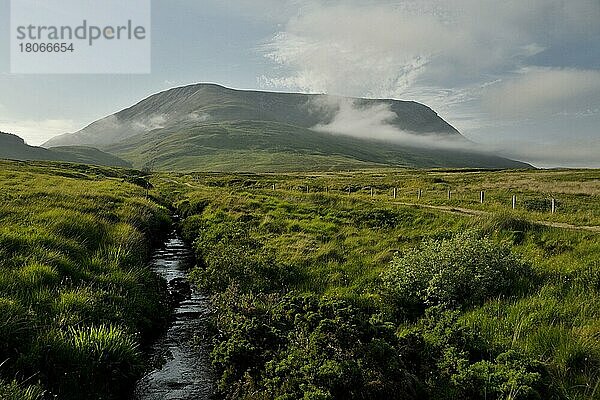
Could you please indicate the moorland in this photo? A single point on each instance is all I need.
(372, 284)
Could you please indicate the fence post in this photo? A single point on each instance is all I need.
(553, 206)
(371, 192)
(449, 195)
(395, 191)
(482, 197)
(514, 202)
(273, 186)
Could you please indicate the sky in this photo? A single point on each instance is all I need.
(520, 77)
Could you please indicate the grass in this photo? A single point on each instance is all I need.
(337, 245)
(298, 276)
(77, 301)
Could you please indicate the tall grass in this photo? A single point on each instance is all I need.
(16, 391)
(336, 245)
(76, 300)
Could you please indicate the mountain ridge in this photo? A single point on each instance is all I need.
(13, 147)
(201, 123)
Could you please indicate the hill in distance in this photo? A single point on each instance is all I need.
(207, 127)
(12, 147)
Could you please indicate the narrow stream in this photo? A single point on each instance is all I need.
(186, 373)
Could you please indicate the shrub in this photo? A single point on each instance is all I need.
(294, 347)
(232, 256)
(456, 363)
(456, 272)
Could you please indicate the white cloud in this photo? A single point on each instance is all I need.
(354, 50)
(198, 117)
(37, 132)
(376, 122)
(156, 121)
(544, 91)
(473, 61)
(572, 153)
(384, 49)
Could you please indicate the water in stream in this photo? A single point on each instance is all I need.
(186, 373)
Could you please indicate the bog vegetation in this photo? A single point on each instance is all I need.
(76, 302)
(324, 286)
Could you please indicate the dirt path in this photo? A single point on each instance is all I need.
(475, 213)
(470, 212)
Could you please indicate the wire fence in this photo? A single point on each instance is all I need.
(463, 196)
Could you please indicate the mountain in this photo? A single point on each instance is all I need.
(212, 128)
(90, 155)
(14, 148)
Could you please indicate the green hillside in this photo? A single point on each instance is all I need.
(13, 147)
(212, 128)
(90, 155)
(261, 146)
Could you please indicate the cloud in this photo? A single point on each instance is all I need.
(155, 121)
(398, 49)
(543, 91)
(572, 153)
(37, 132)
(198, 117)
(496, 70)
(376, 122)
(352, 50)
(384, 49)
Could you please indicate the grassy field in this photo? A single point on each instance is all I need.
(319, 283)
(327, 287)
(76, 303)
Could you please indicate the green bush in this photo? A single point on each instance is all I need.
(509, 376)
(456, 363)
(456, 272)
(303, 347)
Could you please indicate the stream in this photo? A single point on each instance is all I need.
(185, 372)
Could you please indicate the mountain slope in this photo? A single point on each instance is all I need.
(261, 147)
(14, 148)
(90, 155)
(209, 127)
